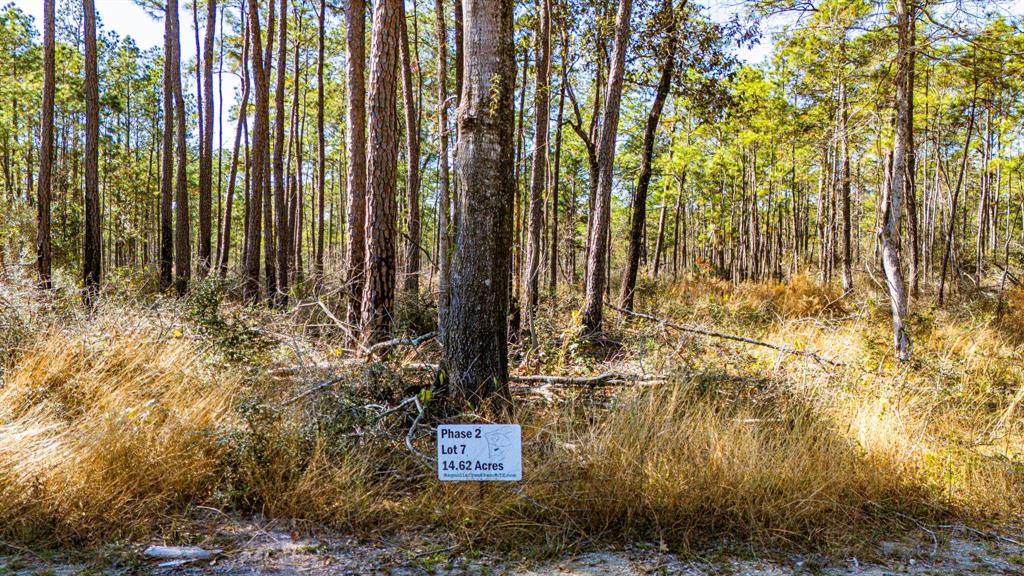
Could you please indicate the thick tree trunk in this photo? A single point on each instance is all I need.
(43, 246)
(266, 158)
(91, 254)
(411, 279)
(597, 266)
(381, 172)
(539, 173)
(476, 329)
(639, 220)
(355, 45)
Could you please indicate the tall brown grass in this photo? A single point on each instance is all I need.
(106, 436)
(112, 432)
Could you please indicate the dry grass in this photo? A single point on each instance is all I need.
(106, 436)
(115, 433)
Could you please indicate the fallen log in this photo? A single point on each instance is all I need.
(710, 333)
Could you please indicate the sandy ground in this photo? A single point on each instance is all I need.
(253, 547)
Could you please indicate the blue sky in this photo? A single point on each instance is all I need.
(127, 19)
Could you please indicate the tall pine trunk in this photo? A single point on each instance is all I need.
(476, 328)
(43, 246)
(321, 154)
(257, 182)
(444, 200)
(639, 220)
(381, 172)
(355, 45)
(182, 227)
(243, 107)
(900, 165)
(206, 154)
(166, 255)
(411, 280)
(539, 173)
(280, 297)
(91, 254)
(598, 234)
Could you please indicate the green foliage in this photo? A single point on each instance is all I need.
(232, 334)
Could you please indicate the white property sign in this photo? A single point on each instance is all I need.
(479, 452)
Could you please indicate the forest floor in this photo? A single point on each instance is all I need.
(763, 428)
(261, 546)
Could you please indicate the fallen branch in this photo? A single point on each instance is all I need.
(337, 321)
(693, 330)
(287, 371)
(315, 388)
(603, 379)
(411, 342)
(1010, 275)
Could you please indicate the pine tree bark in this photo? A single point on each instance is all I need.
(265, 158)
(355, 45)
(206, 155)
(257, 182)
(476, 330)
(381, 172)
(166, 256)
(910, 181)
(900, 165)
(444, 201)
(597, 265)
(318, 258)
(639, 219)
(243, 108)
(280, 296)
(411, 279)
(91, 254)
(556, 177)
(844, 184)
(539, 173)
(182, 227)
(43, 245)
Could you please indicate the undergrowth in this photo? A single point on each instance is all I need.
(108, 431)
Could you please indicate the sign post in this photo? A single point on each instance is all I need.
(479, 452)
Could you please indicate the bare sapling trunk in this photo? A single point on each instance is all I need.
(539, 174)
(411, 259)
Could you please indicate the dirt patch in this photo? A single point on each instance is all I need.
(264, 547)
